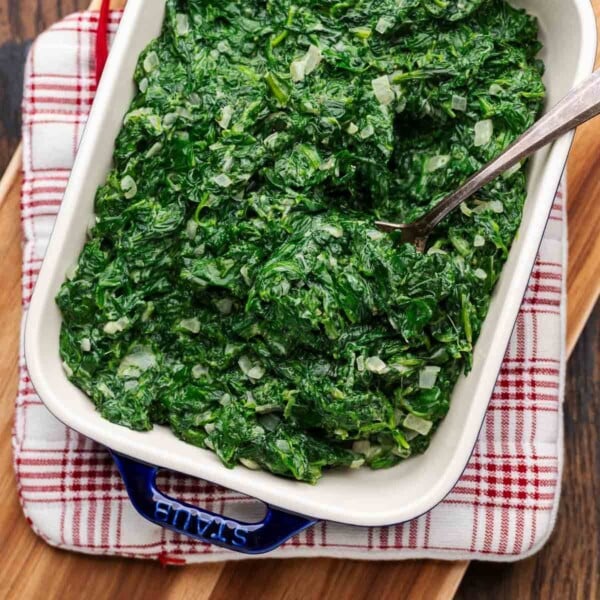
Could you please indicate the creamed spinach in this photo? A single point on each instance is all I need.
(234, 287)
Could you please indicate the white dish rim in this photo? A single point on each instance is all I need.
(253, 484)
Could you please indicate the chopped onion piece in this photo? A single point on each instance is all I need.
(227, 163)
(382, 90)
(459, 103)
(483, 132)
(336, 232)
(71, 272)
(192, 325)
(328, 164)
(225, 118)
(198, 371)
(376, 365)
(151, 61)
(352, 129)
(113, 327)
(154, 150)
(312, 59)
(480, 274)
(383, 24)
(427, 377)
(414, 423)
(85, 345)
(250, 464)
(252, 371)
(496, 206)
(373, 451)
(129, 187)
(367, 132)
(191, 229)
(437, 162)
(257, 431)
(93, 221)
(246, 275)
(156, 123)
(182, 24)
(140, 359)
(375, 234)
(401, 100)
(222, 180)
(270, 421)
(184, 113)
(307, 64)
(433, 250)
(105, 390)
(224, 305)
(169, 119)
(480, 207)
(282, 445)
(465, 210)
(478, 241)
(256, 372)
(410, 435)
(297, 70)
(67, 369)
(360, 363)
(495, 89)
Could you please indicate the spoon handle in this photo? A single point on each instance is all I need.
(577, 107)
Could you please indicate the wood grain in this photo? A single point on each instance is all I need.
(31, 569)
(314, 579)
(584, 229)
(20, 22)
(11, 175)
(584, 220)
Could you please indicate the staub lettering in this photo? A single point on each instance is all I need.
(200, 524)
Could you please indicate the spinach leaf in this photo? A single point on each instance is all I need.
(233, 286)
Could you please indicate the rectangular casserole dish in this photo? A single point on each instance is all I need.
(360, 497)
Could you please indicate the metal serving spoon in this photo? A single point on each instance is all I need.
(577, 107)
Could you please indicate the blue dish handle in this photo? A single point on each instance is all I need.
(251, 538)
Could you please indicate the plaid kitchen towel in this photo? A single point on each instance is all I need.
(502, 508)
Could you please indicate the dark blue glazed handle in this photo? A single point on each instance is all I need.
(251, 538)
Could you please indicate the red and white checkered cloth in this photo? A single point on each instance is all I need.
(503, 507)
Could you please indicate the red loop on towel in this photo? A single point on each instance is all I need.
(102, 39)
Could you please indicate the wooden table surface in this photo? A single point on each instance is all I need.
(566, 568)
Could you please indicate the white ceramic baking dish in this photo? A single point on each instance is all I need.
(360, 497)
